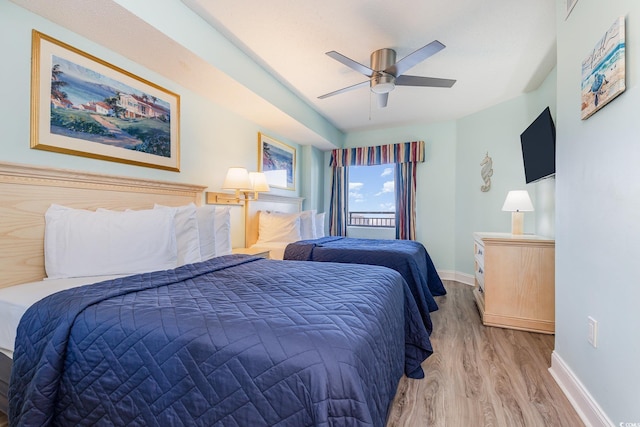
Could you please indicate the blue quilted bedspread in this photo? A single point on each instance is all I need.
(233, 341)
(408, 257)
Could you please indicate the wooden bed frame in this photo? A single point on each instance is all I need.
(251, 208)
(26, 192)
(267, 203)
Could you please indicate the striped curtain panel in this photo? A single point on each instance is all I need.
(405, 155)
(405, 190)
(338, 207)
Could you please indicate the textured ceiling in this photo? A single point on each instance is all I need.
(496, 50)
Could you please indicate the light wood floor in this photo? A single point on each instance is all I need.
(481, 376)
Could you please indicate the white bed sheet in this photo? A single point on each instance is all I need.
(15, 300)
(276, 249)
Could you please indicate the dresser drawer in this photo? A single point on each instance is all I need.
(480, 275)
(514, 278)
(478, 250)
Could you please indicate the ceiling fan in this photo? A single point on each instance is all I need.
(385, 73)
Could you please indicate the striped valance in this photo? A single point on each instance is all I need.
(404, 152)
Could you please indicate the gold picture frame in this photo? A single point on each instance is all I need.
(278, 162)
(84, 106)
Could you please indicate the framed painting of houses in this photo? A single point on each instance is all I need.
(277, 161)
(84, 106)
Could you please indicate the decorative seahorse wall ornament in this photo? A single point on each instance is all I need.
(486, 172)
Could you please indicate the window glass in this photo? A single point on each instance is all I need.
(372, 200)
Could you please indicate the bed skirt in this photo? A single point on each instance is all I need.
(5, 374)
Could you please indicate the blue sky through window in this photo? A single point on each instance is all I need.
(371, 188)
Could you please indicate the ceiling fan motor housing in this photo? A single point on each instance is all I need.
(385, 73)
(381, 59)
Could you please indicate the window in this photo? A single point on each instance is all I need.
(372, 200)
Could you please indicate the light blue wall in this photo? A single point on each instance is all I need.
(436, 185)
(450, 205)
(598, 180)
(312, 170)
(496, 130)
(597, 226)
(212, 138)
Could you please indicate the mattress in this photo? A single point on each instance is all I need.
(15, 300)
(5, 374)
(235, 340)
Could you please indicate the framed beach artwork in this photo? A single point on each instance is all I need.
(603, 70)
(277, 161)
(84, 106)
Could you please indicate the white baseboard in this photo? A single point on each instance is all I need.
(467, 279)
(584, 404)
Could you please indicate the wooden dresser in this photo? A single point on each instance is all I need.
(515, 281)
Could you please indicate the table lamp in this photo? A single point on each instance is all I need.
(517, 202)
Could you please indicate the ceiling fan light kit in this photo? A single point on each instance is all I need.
(382, 82)
(385, 73)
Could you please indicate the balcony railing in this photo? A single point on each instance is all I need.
(372, 219)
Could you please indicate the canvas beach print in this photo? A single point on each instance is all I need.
(277, 161)
(603, 71)
(84, 106)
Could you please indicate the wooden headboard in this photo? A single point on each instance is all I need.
(26, 192)
(267, 202)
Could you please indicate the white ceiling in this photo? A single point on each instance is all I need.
(112, 26)
(496, 50)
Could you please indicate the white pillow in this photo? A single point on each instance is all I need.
(187, 238)
(206, 216)
(308, 224)
(223, 230)
(278, 227)
(84, 243)
(319, 225)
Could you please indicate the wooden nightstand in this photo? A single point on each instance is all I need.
(515, 281)
(263, 253)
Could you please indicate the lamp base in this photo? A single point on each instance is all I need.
(517, 219)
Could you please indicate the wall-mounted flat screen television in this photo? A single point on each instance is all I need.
(539, 148)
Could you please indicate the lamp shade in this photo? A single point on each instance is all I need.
(237, 179)
(518, 201)
(259, 182)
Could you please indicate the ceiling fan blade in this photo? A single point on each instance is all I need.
(423, 81)
(382, 99)
(344, 89)
(414, 58)
(351, 63)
